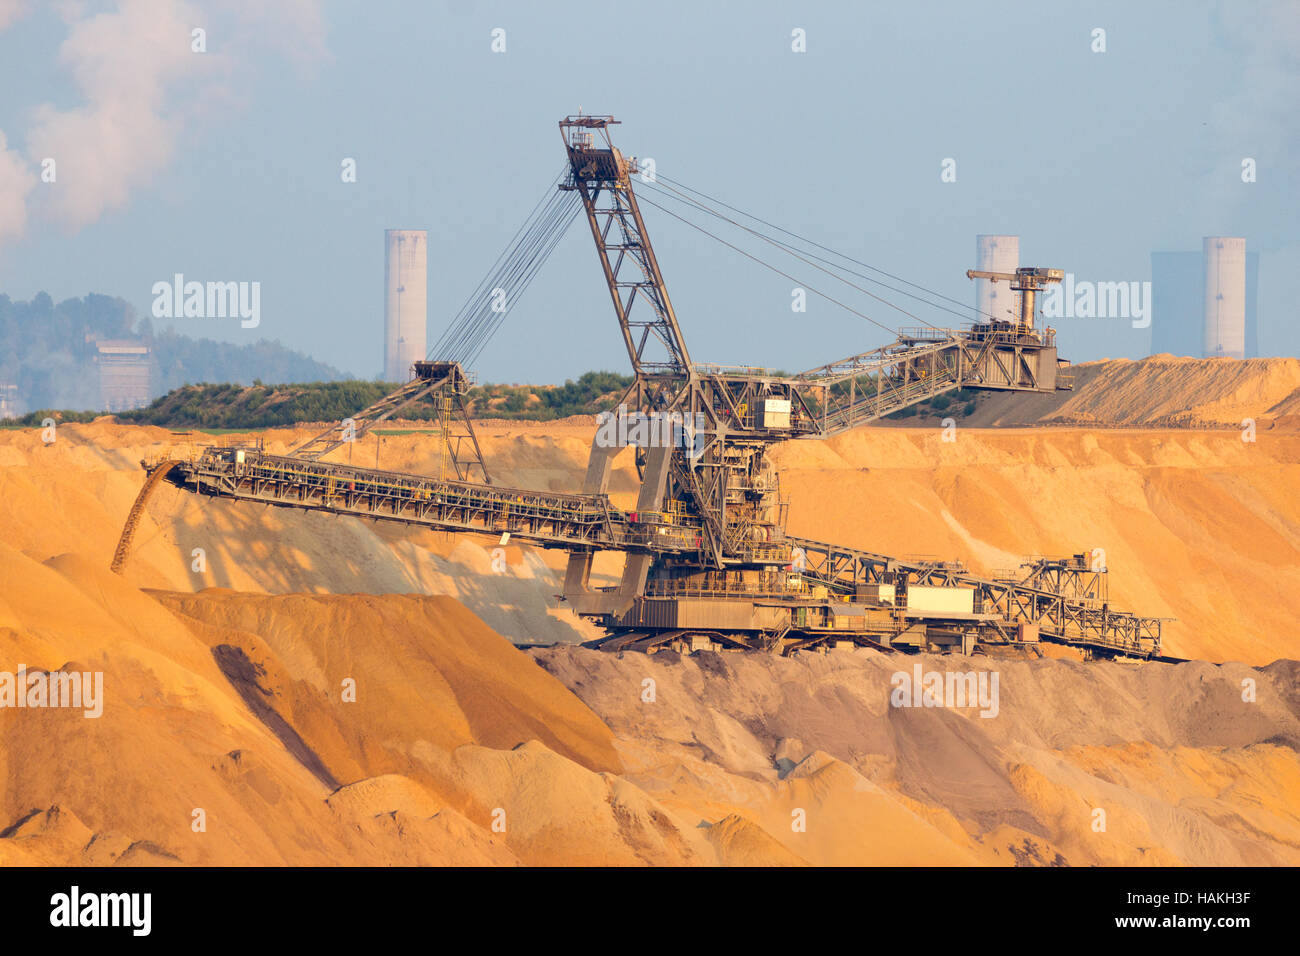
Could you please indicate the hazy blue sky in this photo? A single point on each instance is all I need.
(226, 165)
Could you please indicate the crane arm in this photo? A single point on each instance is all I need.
(599, 171)
(1028, 281)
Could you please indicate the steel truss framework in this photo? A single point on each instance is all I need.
(244, 473)
(1064, 598)
(446, 384)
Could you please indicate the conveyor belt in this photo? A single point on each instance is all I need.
(544, 518)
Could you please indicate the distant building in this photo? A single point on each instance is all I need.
(995, 300)
(1252, 301)
(1177, 303)
(1225, 296)
(10, 404)
(406, 289)
(1181, 318)
(125, 374)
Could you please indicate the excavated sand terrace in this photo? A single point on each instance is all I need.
(224, 686)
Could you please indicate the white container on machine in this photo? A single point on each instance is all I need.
(775, 413)
(877, 593)
(922, 597)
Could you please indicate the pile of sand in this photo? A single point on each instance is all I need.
(234, 709)
(1166, 391)
(229, 710)
(1185, 770)
(1160, 391)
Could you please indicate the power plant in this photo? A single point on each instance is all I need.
(125, 374)
(406, 291)
(11, 405)
(1187, 315)
(708, 562)
(995, 254)
(1225, 296)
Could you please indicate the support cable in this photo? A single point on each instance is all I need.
(791, 250)
(768, 265)
(866, 265)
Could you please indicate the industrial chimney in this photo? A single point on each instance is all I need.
(1225, 296)
(995, 300)
(406, 283)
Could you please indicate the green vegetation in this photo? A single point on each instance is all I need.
(592, 392)
(956, 404)
(209, 407)
(216, 408)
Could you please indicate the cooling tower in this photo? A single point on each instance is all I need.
(406, 283)
(995, 300)
(1225, 296)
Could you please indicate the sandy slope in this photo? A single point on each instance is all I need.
(1165, 390)
(1185, 770)
(457, 749)
(232, 704)
(460, 749)
(1195, 525)
(73, 495)
(1158, 391)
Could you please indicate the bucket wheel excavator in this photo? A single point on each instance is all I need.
(708, 561)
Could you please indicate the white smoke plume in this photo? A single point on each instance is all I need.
(10, 11)
(124, 132)
(16, 181)
(141, 85)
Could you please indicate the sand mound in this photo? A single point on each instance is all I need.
(179, 766)
(1167, 391)
(150, 766)
(1159, 391)
(551, 809)
(420, 668)
(1183, 769)
(740, 841)
(392, 809)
